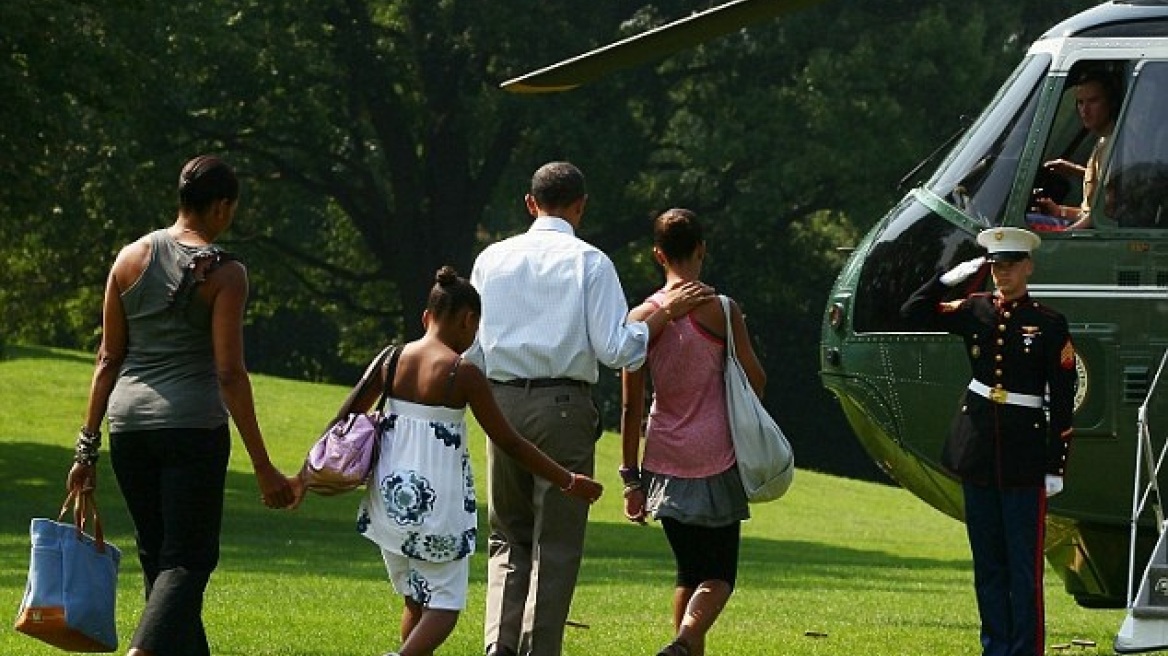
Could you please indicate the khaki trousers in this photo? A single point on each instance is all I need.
(536, 531)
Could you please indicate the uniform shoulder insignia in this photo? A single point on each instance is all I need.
(950, 306)
(1067, 357)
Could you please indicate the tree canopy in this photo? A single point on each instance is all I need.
(375, 146)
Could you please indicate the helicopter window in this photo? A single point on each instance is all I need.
(977, 176)
(911, 246)
(1136, 181)
(1079, 146)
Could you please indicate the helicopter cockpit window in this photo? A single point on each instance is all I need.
(977, 176)
(1068, 187)
(1135, 189)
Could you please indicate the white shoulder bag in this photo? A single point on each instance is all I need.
(765, 461)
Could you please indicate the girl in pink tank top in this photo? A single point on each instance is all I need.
(688, 479)
(688, 434)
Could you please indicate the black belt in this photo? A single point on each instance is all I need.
(530, 383)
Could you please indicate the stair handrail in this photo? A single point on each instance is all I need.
(1142, 492)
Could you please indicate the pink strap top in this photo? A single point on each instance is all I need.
(688, 434)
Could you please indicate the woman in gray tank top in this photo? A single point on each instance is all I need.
(170, 370)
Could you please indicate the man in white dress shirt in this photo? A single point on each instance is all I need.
(553, 308)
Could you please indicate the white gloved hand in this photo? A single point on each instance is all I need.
(962, 271)
(1054, 485)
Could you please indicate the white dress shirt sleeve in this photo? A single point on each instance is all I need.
(616, 342)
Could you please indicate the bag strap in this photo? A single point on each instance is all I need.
(84, 504)
(390, 367)
(731, 354)
(347, 405)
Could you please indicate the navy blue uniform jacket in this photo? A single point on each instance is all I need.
(1021, 346)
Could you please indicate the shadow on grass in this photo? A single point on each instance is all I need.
(320, 539)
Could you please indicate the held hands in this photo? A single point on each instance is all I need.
(583, 487)
(299, 490)
(961, 272)
(1054, 485)
(275, 488)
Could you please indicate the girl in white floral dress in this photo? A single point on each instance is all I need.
(420, 505)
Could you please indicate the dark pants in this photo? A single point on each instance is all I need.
(1005, 528)
(173, 483)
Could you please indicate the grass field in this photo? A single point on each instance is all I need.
(870, 566)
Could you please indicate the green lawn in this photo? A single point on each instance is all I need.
(876, 570)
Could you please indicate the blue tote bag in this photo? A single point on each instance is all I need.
(69, 601)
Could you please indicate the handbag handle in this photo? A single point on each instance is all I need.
(347, 405)
(84, 502)
(387, 384)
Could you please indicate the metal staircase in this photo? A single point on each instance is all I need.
(1145, 628)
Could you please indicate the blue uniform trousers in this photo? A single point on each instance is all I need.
(1005, 528)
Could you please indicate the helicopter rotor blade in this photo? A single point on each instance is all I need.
(658, 42)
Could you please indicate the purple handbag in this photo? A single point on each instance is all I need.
(343, 456)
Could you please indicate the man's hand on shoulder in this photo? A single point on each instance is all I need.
(682, 297)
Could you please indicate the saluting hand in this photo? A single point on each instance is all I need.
(961, 272)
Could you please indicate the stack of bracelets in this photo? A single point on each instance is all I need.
(88, 445)
(631, 477)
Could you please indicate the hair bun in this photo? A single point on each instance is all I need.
(446, 276)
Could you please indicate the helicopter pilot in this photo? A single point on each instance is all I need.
(1097, 100)
(1009, 440)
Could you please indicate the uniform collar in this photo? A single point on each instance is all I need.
(1010, 305)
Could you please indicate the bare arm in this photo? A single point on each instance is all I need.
(227, 308)
(633, 401)
(110, 354)
(632, 416)
(474, 386)
(1066, 167)
(745, 350)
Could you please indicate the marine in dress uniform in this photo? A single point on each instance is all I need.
(1008, 442)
